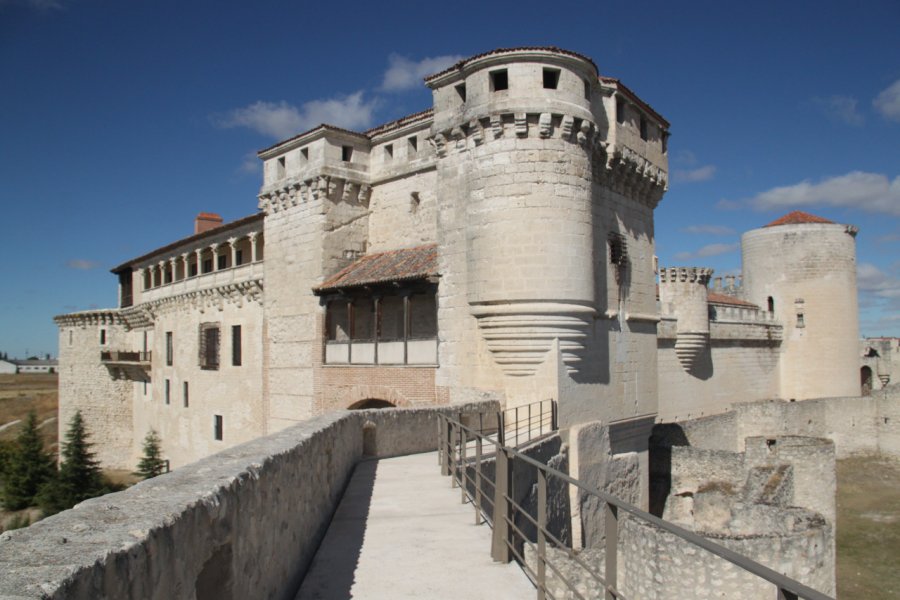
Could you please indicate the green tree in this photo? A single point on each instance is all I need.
(152, 463)
(28, 467)
(79, 476)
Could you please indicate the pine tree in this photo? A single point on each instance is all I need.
(79, 475)
(27, 468)
(152, 463)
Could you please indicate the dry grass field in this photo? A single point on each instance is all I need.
(22, 393)
(868, 530)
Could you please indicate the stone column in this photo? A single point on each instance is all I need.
(232, 242)
(185, 265)
(214, 248)
(172, 264)
(252, 236)
(199, 253)
(140, 277)
(162, 272)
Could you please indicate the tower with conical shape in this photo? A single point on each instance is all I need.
(803, 268)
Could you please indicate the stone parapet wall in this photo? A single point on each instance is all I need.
(244, 523)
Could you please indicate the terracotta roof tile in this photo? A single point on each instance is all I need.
(717, 298)
(798, 217)
(462, 63)
(396, 265)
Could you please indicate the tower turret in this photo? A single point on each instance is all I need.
(684, 292)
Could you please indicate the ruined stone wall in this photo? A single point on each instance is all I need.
(241, 524)
(100, 393)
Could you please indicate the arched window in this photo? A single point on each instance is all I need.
(865, 377)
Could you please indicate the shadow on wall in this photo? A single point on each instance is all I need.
(663, 438)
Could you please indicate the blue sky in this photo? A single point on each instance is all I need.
(121, 120)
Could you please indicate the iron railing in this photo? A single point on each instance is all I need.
(521, 424)
(469, 466)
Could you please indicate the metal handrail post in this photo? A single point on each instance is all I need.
(501, 428)
(454, 440)
(478, 480)
(554, 415)
(463, 469)
(501, 537)
(541, 536)
(445, 442)
(612, 547)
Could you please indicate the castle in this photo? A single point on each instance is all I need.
(497, 246)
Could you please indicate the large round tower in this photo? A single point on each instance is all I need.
(803, 268)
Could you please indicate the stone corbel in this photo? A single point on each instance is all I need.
(545, 125)
(568, 123)
(365, 192)
(497, 126)
(477, 131)
(521, 120)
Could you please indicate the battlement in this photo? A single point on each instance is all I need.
(699, 275)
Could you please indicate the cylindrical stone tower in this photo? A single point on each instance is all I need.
(523, 121)
(685, 291)
(803, 268)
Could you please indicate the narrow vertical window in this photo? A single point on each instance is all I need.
(222, 262)
(461, 91)
(620, 111)
(169, 349)
(168, 391)
(238, 257)
(304, 155)
(145, 388)
(236, 345)
(218, 427)
(644, 129)
(280, 168)
(185, 394)
(388, 152)
(587, 89)
(771, 303)
(209, 346)
(102, 337)
(346, 153)
(413, 144)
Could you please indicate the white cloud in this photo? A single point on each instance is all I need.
(872, 280)
(840, 108)
(888, 102)
(82, 264)
(708, 230)
(250, 164)
(871, 192)
(707, 251)
(282, 120)
(405, 74)
(684, 158)
(694, 175)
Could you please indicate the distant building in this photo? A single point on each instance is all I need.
(7, 367)
(37, 365)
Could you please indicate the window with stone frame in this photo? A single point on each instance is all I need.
(209, 346)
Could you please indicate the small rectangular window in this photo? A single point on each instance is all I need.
(185, 394)
(223, 262)
(169, 348)
(209, 346)
(644, 129)
(499, 80)
(304, 155)
(236, 345)
(280, 170)
(587, 89)
(192, 270)
(168, 391)
(551, 79)
(413, 143)
(238, 257)
(145, 388)
(346, 153)
(461, 91)
(207, 265)
(620, 111)
(218, 427)
(665, 142)
(388, 152)
(102, 337)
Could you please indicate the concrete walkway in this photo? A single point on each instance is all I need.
(401, 532)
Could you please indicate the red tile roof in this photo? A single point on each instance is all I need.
(462, 63)
(717, 298)
(191, 239)
(396, 265)
(798, 217)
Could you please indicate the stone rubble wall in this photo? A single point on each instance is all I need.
(244, 523)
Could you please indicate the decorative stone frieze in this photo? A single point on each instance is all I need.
(90, 318)
(295, 193)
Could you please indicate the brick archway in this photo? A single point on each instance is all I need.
(359, 394)
(371, 403)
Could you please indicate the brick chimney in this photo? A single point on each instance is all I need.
(206, 221)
